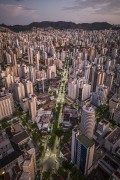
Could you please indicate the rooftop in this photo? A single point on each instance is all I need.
(20, 137)
(4, 140)
(9, 158)
(88, 108)
(85, 140)
(114, 136)
(17, 128)
(104, 122)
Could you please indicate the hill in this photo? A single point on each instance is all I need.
(61, 25)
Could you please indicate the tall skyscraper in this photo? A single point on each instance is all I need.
(63, 56)
(87, 72)
(19, 91)
(98, 77)
(32, 74)
(51, 72)
(9, 81)
(30, 55)
(29, 165)
(75, 132)
(8, 57)
(82, 152)
(33, 106)
(28, 87)
(72, 89)
(109, 79)
(85, 153)
(24, 70)
(100, 96)
(103, 92)
(88, 121)
(37, 60)
(84, 92)
(6, 105)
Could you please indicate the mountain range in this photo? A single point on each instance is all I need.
(61, 25)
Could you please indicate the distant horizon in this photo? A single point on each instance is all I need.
(59, 21)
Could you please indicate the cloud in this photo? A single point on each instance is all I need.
(16, 13)
(98, 6)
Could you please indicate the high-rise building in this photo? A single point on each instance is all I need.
(24, 70)
(24, 104)
(109, 79)
(114, 104)
(28, 87)
(29, 165)
(100, 96)
(58, 63)
(85, 154)
(30, 55)
(103, 92)
(116, 117)
(82, 152)
(19, 91)
(88, 121)
(98, 77)
(63, 55)
(33, 106)
(112, 141)
(72, 89)
(84, 92)
(19, 71)
(75, 133)
(14, 59)
(8, 57)
(6, 105)
(32, 74)
(37, 60)
(42, 85)
(51, 72)
(9, 81)
(87, 72)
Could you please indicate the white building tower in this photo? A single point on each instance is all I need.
(88, 121)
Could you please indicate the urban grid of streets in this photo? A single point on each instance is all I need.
(60, 89)
(50, 159)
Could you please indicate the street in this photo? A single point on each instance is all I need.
(50, 159)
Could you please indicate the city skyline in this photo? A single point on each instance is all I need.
(78, 11)
(60, 102)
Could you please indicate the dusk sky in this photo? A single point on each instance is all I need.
(78, 11)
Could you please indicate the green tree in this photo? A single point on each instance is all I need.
(46, 175)
(54, 176)
(76, 174)
(102, 112)
(59, 132)
(62, 172)
(67, 165)
(4, 125)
